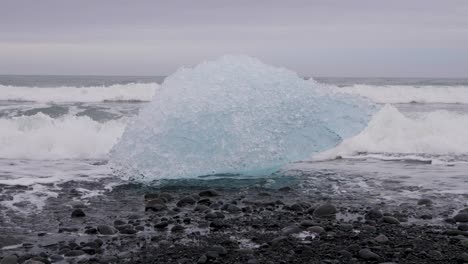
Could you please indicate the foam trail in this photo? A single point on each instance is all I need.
(409, 94)
(116, 92)
(42, 137)
(390, 132)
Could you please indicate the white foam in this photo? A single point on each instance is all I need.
(116, 92)
(42, 137)
(409, 94)
(389, 132)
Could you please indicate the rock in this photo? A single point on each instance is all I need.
(278, 240)
(345, 254)
(367, 254)
(325, 210)
(381, 239)
(201, 208)
(205, 201)
(188, 200)
(212, 254)
(106, 230)
(464, 257)
(155, 205)
(161, 225)
(56, 258)
(74, 253)
(308, 223)
(292, 229)
(461, 217)
(89, 250)
(463, 227)
(295, 207)
(6, 241)
(220, 249)
(374, 214)
(119, 222)
(10, 259)
(425, 201)
(316, 229)
(177, 228)
(232, 209)
(128, 231)
(285, 189)
(464, 243)
(78, 213)
(32, 261)
(390, 220)
(203, 259)
(208, 193)
(346, 227)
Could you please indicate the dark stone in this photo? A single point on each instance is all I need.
(201, 208)
(381, 239)
(374, 214)
(220, 249)
(177, 228)
(10, 259)
(128, 231)
(233, 209)
(105, 230)
(119, 222)
(74, 253)
(155, 205)
(325, 210)
(6, 241)
(208, 193)
(463, 227)
(425, 201)
(390, 220)
(285, 189)
(316, 229)
(367, 254)
(78, 213)
(89, 250)
(203, 259)
(188, 200)
(308, 223)
(461, 217)
(205, 201)
(161, 225)
(292, 229)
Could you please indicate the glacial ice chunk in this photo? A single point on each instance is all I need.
(234, 115)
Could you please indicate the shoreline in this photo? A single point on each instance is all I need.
(131, 224)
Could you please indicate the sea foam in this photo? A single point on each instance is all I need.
(234, 115)
(390, 132)
(117, 92)
(68, 137)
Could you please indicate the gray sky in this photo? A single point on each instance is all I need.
(397, 38)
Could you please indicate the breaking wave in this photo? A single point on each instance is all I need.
(69, 137)
(392, 135)
(117, 92)
(409, 94)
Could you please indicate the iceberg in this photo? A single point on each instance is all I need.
(234, 115)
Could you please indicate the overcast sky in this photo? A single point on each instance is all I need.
(397, 38)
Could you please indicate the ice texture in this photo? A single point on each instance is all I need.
(234, 115)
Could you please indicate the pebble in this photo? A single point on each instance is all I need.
(325, 210)
(188, 200)
(307, 223)
(461, 217)
(208, 193)
(374, 214)
(203, 259)
(74, 253)
(10, 259)
(292, 229)
(367, 254)
(425, 201)
(106, 230)
(177, 228)
(316, 229)
(381, 239)
(78, 213)
(390, 220)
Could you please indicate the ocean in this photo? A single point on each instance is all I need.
(57, 129)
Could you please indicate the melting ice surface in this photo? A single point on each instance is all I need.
(235, 115)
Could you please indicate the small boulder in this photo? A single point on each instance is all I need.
(381, 239)
(367, 254)
(105, 230)
(390, 220)
(188, 200)
(461, 217)
(78, 213)
(208, 193)
(325, 210)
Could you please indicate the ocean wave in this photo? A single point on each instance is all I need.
(392, 135)
(409, 94)
(68, 137)
(117, 92)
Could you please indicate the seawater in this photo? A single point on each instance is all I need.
(414, 146)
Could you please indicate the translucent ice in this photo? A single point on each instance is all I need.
(234, 115)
